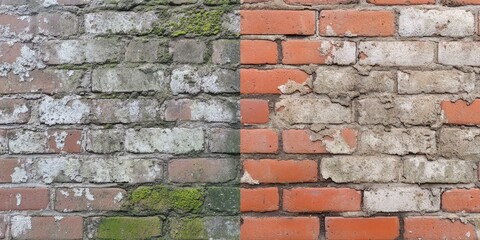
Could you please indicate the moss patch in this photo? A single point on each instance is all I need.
(129, 228)
(188, 228)
(198, 22)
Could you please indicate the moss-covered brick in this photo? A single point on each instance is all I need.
(188, 228)
(161, 199)
(223, 199)
(227, 228)
(199, 22)
(129, 228)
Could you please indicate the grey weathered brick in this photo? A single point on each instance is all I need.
(360, 169)
(398, 141)
(422, 22)
(401, 199)
(27, 142)
(188, 79)
(125, 111)
(119, 22)
(209, 110)
(188, 51)
(443, 81)
(218, 227)
(127, 80)
(147, 51)
(295, 110)
(202, 170)
(67, 110)
(459, 53)
(64, 52)
(14, 111)
(420, 170)
(105, 140)
(404, 53)
(223, 140)
(339, 80)
(456, 142)
(226, 52)
(103, 50)
(176, 140)
(3, 141)
(57, 24)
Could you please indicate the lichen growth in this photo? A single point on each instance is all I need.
(199, 22)
(129, 228)
(188, 228)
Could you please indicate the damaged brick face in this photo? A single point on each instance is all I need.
(360, 119)
(119, 119)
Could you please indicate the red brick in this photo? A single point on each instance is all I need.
(460, 113)
(259, 199)
(8, 169)
(40, 81)
(277, 22)
(42, 228)
(321, 200)
(362, 228)
(178, 110)
(320, 2)
(280, 228)
(258, 141)
(23, 199)
(258, 52)
(457, 200)
(254, 111)
(437, 228)
(281, 171)
(16, 25)
(298, 141)
(255, 81)
(10, 53)
(357, 23)
(65, 141)
(401, 2)
(318, 52)
(89, 199)
(14, 111)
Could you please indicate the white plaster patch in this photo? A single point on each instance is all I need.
(48, 3)
(246, 178)
(118, 198)
(68, 110)
(20, 225)
(19, 175)
(18, 196)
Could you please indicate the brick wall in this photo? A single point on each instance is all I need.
(118, 119)
(359, 119)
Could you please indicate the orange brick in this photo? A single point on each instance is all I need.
(259, 199)
(458, 200)
(280, 228)
(281, 171)
(357, 23)
(320, 2)
(298, 52)
(298, 141)
(254, 111)
(459, 113)
(258, 141)
(258, 52)
(437, 228)
(254, 81)
(401, 2)
(277, 22)
(362, 228)
(321, 200)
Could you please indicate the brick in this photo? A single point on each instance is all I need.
(223, 140)
(299, 52)
(449, 23)
(223, 199)
(226, 52)
(150, 51)
(357, 23)
(321, 200)
(277, 22)
(57, 24)
(401, 199)
(51, 141)
(258, 141)
(401, 2)
(14, 111)
(109, 22)
(105, 140)
(129, 227)
(175, 140)
(398, 141)
(205, 228)
(362, 228)
(126, 111)
(19, 199)
(280, 171)
(461, 2)
(461, 113)
(255, 81)
(65, 141)
(88, 199)
(420, 170)
(36, 228)
(3, 141)
(461, 200)
(11, 52)
(336, 141)
(63, 52)
(188, 51)
(202, 170)
(259, 199)
(208, 110)
(45, 81)
(360, 169)
(296, 110)
(411, 110)
(67, 110)
(320, 2)
(459, 53)
(462, 143)
(280, 228)
(104, 50)
(437, 228)
(17, 26)
(254, 111)
(127, 80)
(193, 80)
(443, 81)
(13, 171)
(405, 53)
(258, 52)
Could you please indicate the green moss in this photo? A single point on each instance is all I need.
(198, 22)
(188, 228)
(129, 228)
(186, 199)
